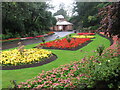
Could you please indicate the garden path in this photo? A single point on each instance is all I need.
(13, 44)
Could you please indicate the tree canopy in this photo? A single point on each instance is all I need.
(25, 18)
(111, 17)
(87, 14)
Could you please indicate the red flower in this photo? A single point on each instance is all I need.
(63, 43)
(40, 36)
(86, 33)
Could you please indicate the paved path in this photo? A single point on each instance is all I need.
(8, 45)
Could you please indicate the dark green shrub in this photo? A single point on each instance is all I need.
(100, 49)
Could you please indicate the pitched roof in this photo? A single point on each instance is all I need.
(63, 23)
(59, 16)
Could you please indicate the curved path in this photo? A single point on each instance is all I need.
(8, 45)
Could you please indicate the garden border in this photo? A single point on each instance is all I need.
(110, 39)
(52, 58)
(72, 49)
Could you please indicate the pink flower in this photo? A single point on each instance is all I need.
(78, 78)
(82, 75)
(19, 86)
(66, 85)
(56, 84)
(28, 86)
(50, 82)
(39, 80)
(65, 69)
(53, 75)
(40, 86)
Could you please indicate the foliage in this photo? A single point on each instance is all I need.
(25, 18)
(100, 49)
(87, 14)
(110, 21)
(43, 39)
(68, 38)
(86, 73)
(94, 27)
(61, 11)
(22, 75)
(26, 56)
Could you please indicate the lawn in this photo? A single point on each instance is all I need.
(64, 57)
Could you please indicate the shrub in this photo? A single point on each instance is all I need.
(91, 72)
(100, 49)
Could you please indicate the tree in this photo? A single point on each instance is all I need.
(87, 14)
(111, 17)
(25, 18)
(61, 11)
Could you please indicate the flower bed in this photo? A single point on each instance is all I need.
(74, 44)
(50, 33)
(10, 39)
(28, 56)
(29, 37)
(61, 77)
(80, 74)
(83, 36)
(40, 36)
(86, 33)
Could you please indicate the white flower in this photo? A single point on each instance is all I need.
(108, 60)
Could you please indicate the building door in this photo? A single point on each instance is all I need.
(64, 27)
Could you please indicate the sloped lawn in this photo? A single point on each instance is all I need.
(64, 57)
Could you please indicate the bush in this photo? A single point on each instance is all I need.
(92, 72)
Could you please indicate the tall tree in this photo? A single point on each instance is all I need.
(111, 17)
(86, 14)
(61, 11)
(25, 18)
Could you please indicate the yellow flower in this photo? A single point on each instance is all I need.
(29, 55)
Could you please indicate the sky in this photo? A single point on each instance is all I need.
(68, 5)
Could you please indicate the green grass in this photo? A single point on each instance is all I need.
(64, 57)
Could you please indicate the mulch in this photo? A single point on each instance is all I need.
(45, 61)
(72, 49)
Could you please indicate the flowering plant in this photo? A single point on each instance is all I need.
(83, 36)
(80, 74)
(40, 36)
(63, 43)
(29, 37)
(28, 56)
(10, 39)
(86, 33)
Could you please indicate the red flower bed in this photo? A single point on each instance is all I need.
(64, 44)
(86, 33)
(29, 37)
(40, 36)
(10, 39)
(50, 33)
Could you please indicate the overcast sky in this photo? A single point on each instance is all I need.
(68, 5)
